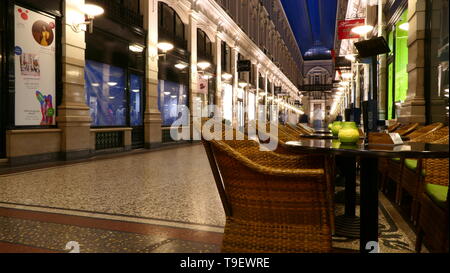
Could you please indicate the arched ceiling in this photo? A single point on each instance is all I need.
(313, 23)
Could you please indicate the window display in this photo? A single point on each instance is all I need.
(136, 100)
(106, 94)
(172, 102)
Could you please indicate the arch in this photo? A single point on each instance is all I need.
(180, 11)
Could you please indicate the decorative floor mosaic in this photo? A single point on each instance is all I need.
(146, 188)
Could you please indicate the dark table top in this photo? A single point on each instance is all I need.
(333, 146)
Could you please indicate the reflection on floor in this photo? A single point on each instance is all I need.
(146, 202)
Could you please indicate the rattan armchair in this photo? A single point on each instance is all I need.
(433, 226)
(407, 129)
(305, 129)
(393, 169)
(394, 127)
(278, 206)
(413, 171)
(425, 130)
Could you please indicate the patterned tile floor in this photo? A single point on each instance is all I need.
(145, 202)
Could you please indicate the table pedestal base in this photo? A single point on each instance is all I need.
(347, 226)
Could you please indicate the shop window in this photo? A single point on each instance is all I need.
(106, 94)
(251, 106)
(172, 102)
(437, 90)
(136, 100)
(227, 100)
(397, 65)
(401, 59)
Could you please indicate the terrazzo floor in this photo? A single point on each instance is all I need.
(161, 201)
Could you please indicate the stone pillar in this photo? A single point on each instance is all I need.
(234, 72)
(73, 114)
(152, 116)
(413, 109)
(218, 55)
(193, 77)
(437, 102)
(382, 67)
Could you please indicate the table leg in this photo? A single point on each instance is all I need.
(348, 225)
(369, 205)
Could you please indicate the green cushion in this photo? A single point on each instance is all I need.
(437, 193)
(412, 165)
(396, 160)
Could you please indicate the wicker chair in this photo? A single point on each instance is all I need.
(425, 130)
(412, 173)
(393, 169)
(394, 127)
(406, 129)
(433, 217)
(306, 129)
(280, 206)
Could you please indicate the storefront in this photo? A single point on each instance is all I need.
(436, 58)
(114, 79)
(173, 70)
(30, 72)
(397, 62)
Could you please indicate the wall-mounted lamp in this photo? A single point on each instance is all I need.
(362, 30)
(227, 76)
(181, 66)
(90, 12)
(136, 48)
(347, 75)
(165, 47)
(203, 65)
(404, 26)
(243, 84)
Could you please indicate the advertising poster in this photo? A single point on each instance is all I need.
(34, 68)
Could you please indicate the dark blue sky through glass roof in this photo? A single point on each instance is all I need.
(313, 23)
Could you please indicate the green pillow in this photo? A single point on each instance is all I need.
(437, 193)
(412, 165)
(396, 159)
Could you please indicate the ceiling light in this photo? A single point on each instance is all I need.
(165, 46)
(361, 30)
(92, 10)
(203, 65)
(206, 77)
(95, 84)
(227, 76)
(137, 48)
(136, 90)
(111, 98)
(167, 93)
(112, 83)
(181, 66)
(404, 26)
